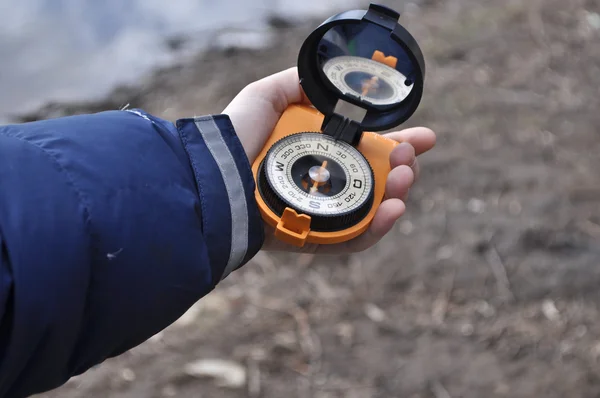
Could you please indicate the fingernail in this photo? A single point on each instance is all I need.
(404, 155)
(413, 163)
(405, 145)
(405, 197)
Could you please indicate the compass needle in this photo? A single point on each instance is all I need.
(368, 84)
(320, 178)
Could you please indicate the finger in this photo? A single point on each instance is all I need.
(399, 182)
(281, 89)
(255, 111)
(421, 138)
(404, 154)
(270, 95)
(416, 170)
(387, 214)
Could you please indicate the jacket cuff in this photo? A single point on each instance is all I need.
(232, 224)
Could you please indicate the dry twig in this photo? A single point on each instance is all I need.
(439, 390)
(590, 228)
(499, 271)
(253, 378)
(309, 342)
(536, 24)
(444, 228)
(265, 262)
(440, 306)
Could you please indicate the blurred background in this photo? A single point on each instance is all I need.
(489, 285)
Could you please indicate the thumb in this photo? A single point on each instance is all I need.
(255, 111)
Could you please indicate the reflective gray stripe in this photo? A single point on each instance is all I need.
(235, 190)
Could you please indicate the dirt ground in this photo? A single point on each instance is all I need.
(488, 287)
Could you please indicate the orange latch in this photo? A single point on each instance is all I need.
(293, 228)
(390, 61)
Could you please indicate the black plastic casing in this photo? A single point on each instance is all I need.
(325, 98)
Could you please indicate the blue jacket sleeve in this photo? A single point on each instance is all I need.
(111, 226)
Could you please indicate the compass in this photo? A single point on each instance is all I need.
(315, 174)
(321, 174)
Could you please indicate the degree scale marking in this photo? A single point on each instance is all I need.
(286, 152)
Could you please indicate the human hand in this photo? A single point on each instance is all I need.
(255, 111)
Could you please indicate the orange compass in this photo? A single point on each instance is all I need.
(321, 174)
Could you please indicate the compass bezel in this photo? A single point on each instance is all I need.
(320, 222)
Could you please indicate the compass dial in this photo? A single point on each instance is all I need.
(368, 79)
(316, 175)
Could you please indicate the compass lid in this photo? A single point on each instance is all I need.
(366, 61)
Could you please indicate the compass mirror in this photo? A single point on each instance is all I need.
(365, 65)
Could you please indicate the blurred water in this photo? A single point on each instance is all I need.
(80, 49)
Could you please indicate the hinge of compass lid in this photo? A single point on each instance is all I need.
(344, 123)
